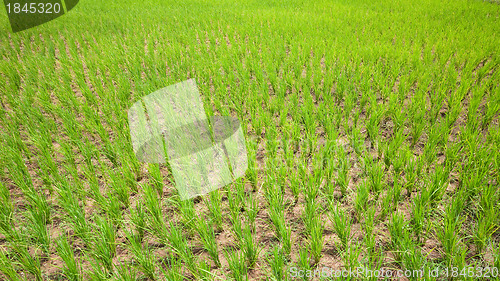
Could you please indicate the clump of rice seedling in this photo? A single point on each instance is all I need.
(142, 255)
(236, 263)
(361, 200)
(207, 235)
(341, 224)
(174, 271)
(204, 271)
(138, 218)
(126, 272)
(71, 269)
(316, 239)
(155, 214)
(448, 235)
(277, 263)
(8, 268)
(104, 243)
(75, 213)
(179, 245)
(249, 246)
(6, 211)
(214, 205)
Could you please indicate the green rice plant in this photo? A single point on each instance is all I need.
(316, 240)
(8, 269)
(157, 178)
(407, 252)
(438, 185)
(215, 207)
(99, 271)
(375, 172)
(418, 121)
(142, 256)
(303, 262)
(277, 263)
(237, 227)
(351, 255)
(343, 172)
(207, 235)
(483, 229)
(138, 218)
(496, 251)
(236, 263)
(357, 141)
(400, 161)
(125, 272)
(451, 153)
(486, 223)
(104, 243)
(38, 230)
(234, 203)
(252, 209)
(412, 174)
(391, 149)
(113, 209)
(295, 187)
(399, 233)
(395, 192)
(368, 226)
(204, 271)
(361, 200)
(179, 245)
(30, 263)
(174, 271)
(376, 113)
(186, 208)
(6, 211)
(119, 187)
(448, 235)
(341, 224)
(155, 219)
(249, 246)
(282, 230)
(75, 213)
(310, 214)
(71, 269)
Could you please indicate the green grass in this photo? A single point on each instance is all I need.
(372, 132)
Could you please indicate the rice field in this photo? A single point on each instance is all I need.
(372, 132)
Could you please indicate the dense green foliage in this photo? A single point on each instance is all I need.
(372, 133)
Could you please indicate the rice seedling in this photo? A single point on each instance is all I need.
(214, 205)
(236, 263)
(138, 218)
(174, 269)
(179, 245)
(316, 240)
(250, 247)
(71, 269)
(6, 211)
(361, 200)
(204, 271)
(126, 272)
(143, 256)
(207, 235)
(8, 269)
(341, 224)
(277, 264)
(104, 244)
(30, 263)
